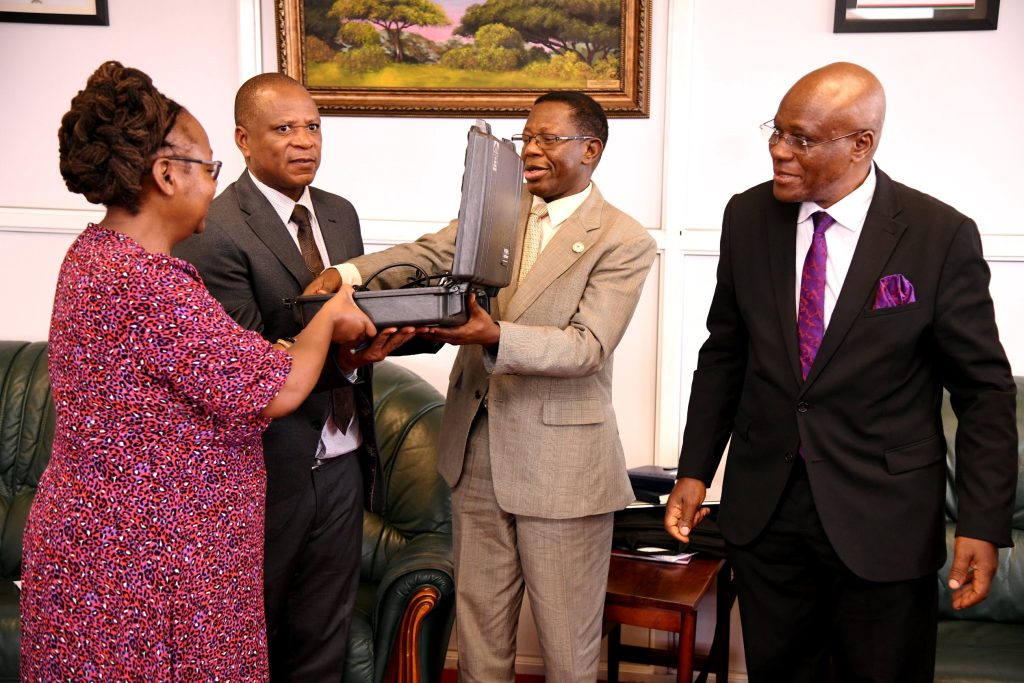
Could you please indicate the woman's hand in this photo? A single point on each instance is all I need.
(338, 320)
(351, 325)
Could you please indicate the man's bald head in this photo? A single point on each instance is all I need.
(830, 123)
(845, 93)
(249, 97)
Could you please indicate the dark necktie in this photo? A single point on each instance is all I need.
(342, 400)
(307, 245)
(810, 319)
(343, 406)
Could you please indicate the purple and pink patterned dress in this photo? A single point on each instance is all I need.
(143, 554)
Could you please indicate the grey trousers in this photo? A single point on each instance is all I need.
(562, 563)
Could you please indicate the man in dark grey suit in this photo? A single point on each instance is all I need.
(845, 303)
(267, 235)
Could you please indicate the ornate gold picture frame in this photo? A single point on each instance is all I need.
(465, 57)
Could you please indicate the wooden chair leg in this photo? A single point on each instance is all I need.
(687, 636)
(614, 641)
(404, 662)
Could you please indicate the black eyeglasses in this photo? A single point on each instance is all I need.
(797, 143)
(547, 140)
(212, 167)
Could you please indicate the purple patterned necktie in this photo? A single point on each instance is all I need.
(810, 318)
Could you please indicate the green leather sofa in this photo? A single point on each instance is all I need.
(406, 602)
(26, 432)
(984, 643)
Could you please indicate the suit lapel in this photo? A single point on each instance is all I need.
(343, 240)
(334, 237)
(573, 239)
(265, 223)
(781, 224)
(880, 235)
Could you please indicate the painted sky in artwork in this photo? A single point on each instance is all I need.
(454, 9)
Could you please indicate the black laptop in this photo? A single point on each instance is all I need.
(492, 183)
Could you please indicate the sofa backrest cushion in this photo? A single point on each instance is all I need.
(26, 435)
(407, 413)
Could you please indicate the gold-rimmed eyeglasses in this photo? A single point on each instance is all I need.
(547, 140)
(797, 143)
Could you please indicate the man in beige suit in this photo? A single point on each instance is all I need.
(529, 443)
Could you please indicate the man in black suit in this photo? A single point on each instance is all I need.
(831, 338)
(267, 235)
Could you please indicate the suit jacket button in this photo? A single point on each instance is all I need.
(802, 407)
(789, 457)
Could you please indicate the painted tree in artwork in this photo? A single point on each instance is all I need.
(590, 28)
(392, 16)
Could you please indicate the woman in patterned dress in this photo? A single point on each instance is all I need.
(143, 550)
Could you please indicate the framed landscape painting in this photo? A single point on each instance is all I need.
(465, 57)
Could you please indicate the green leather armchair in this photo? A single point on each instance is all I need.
(406, 601)
(406, 604)
(984, 643)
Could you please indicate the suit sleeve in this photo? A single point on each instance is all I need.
(718, 379)
(982, 392)
(605, 308)
(432, 253)
(226, 272)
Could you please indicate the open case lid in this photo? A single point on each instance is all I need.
(492, 185)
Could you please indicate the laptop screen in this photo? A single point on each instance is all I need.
(492, 185)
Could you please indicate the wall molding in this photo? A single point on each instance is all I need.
(250, 40)
(47, 221)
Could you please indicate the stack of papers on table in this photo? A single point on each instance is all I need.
(654, 554)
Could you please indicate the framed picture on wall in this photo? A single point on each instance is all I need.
(870, 16)
(55, 11)
(465, 57)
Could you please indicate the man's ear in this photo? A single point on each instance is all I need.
(242, 141)
(592, 151)
(864, 145)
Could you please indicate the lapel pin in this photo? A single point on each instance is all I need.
(578, 247)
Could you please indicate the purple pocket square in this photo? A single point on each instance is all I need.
(894, 290)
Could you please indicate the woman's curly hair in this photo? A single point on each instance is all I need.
(108, 137)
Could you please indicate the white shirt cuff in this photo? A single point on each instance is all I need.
(349, 274)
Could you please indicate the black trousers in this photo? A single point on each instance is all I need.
(807, 618)
(311, 573)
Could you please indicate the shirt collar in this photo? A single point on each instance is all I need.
(852, 210)
(560, 209)
(282, 203)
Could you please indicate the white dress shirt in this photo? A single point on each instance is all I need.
(850, 212)
(332, 441)
(558, 211)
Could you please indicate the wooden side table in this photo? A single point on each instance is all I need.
(665, 597)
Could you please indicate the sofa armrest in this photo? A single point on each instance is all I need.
(417, 588)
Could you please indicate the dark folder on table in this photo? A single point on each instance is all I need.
(650, 482)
